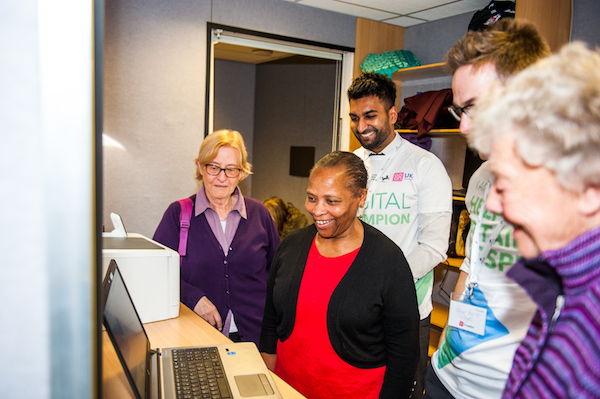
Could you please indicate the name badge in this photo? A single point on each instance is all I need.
(465, 316)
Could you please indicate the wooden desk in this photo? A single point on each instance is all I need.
(188, 329)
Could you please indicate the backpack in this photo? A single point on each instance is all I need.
(184, 225)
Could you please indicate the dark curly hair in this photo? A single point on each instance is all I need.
(356, 173)
(374, 84)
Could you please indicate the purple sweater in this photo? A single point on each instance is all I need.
(560, 356)
(237, 281)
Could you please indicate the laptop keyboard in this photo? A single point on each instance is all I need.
(199, 374)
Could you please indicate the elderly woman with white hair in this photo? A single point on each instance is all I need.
(541, 131)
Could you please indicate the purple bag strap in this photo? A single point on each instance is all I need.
(184, 224)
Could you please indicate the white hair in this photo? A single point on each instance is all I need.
(552, 109)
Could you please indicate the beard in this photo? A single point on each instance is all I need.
(377, 140)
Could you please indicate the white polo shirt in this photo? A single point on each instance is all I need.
(410, 200)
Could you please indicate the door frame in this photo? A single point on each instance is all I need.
(343, 55)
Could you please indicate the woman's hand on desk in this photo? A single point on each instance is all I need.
(270, 360)
(205, 309)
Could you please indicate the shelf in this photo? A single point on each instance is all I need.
(434, 338)
(438, 70)
(453, 262)
(439, 315)
(434, 132)
(439, 318)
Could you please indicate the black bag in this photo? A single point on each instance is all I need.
(492, 13)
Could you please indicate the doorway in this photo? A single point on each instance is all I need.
(278, 95)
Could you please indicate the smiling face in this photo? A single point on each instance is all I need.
(331, 203)
(221, 187)
(372, 125)
(543, 213)
(468, 83)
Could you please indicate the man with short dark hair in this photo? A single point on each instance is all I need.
(470, 364)
(409, 193)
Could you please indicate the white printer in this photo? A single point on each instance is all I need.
(150, 270)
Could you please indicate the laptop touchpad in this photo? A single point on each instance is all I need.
(253, 385)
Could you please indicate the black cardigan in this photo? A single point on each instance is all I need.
(372, 317)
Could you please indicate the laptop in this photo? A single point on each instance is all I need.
(231, 371)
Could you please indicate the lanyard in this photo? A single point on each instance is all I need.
(481, 248)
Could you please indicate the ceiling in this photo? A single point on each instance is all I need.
(404, 13)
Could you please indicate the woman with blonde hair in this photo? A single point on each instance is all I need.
(231, 241)
(286, 216)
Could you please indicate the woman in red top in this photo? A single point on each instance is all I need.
(341, 317)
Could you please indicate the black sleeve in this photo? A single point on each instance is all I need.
(268, 334)
(401, 332)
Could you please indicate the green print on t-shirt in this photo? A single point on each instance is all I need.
(495, 259)
(394, 219)
(499, 260)
(386, 201)
(477, 204)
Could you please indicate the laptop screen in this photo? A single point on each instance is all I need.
(125, 329)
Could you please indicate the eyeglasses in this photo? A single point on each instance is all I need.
(214, 170)
(457, 112)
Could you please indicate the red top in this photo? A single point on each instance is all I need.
(306, 360)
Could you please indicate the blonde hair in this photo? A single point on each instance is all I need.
(552, 109)
(223, 138)
(510, 45)
(278, 211)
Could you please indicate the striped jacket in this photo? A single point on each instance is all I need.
(560, 356)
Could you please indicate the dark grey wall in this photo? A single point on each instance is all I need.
(154, 94)
(293, 102)
(235, 84)
(294, 107)
(286, 18)
(430, 41)
(586, 25)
